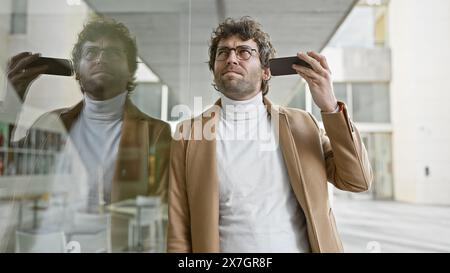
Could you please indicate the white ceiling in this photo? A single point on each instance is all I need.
(173, 36)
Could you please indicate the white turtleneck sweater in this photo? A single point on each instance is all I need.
(258, 211)
(96, 135)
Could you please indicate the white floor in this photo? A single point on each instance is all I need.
(387, 226)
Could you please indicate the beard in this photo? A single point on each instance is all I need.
(92, 86)
(98, 90)
(239, 87)
(100, 87)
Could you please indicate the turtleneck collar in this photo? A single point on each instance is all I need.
(243, 109)
(110, 109)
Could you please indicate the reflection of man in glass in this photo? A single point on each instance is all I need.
(125, 152)
(232, 194)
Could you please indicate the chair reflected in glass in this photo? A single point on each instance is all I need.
(44, 231)
(146, 231)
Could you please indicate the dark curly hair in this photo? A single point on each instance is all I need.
(246, 28)
(105, 27)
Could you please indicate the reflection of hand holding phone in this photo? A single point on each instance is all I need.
(283, 66)
(55, 66)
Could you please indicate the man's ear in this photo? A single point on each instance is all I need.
(266, 74)
(77, 74)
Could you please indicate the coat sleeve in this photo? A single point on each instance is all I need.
(179, 231)
(347, 163)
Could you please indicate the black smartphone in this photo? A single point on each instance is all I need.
(60, 67)
(283, 66)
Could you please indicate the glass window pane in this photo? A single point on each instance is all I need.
(371, 102)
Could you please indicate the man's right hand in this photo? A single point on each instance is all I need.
(20, 75)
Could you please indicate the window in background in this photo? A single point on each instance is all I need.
(370, 102)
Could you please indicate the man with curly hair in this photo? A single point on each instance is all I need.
(120, 147)
(234, 189)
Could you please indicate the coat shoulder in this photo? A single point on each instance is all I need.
(295, 112)
(51, 118)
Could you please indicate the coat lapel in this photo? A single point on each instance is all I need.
(130, 172)
(69, 116)
(203, 186)
(295, 153)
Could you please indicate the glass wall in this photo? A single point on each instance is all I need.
(62, 191)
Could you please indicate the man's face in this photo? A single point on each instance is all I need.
(103, 68)
(235, 77)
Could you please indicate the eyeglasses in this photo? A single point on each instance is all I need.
(242, 53)
(111, 53)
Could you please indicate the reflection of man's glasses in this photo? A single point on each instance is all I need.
(242, 53)
(111, 53)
